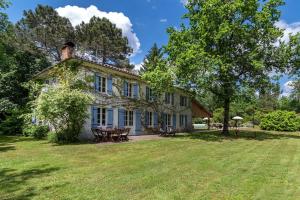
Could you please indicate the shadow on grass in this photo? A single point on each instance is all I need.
(7, 143)
(217, 136)
(16, 184)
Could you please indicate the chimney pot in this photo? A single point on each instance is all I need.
(67, 51)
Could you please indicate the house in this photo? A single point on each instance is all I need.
(123, 99)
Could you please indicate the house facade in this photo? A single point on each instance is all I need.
(124, 100)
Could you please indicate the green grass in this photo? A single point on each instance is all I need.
(197, 166)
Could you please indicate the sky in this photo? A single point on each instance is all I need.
(143, 22)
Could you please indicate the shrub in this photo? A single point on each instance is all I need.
(280, 121)
(12, 124)
(36, 131)
(65, 110)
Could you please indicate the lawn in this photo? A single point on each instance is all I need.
(196, 166)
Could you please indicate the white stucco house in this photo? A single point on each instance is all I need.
(123, 99)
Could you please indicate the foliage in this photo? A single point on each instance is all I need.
(36, 131)
(280, 121)
(104, 40)
(152, 59)
(45, 29)
(228, 45)
(64, 106)
(218, 115)
(12, 123)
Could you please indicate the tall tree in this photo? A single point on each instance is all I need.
(104, 40)
(228, 45)
(45, 29)
(152, 59)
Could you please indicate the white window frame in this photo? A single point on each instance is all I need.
(168, 120)
(101, 116)
(150, 119)
(128, 118)
(129, 89)
(150, 96)
(183, 101)
(102, 84)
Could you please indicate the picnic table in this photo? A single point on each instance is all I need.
(102, 134)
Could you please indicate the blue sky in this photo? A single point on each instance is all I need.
(143, 21)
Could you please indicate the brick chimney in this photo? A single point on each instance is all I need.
(67, 51)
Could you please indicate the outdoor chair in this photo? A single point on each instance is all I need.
(124, 134)
(97, 136)
(171, 131)
(116, 135)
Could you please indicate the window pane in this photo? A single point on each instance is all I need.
(98, 116)
(103, 85)
(103, 116)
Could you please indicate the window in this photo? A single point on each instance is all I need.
(101, 84)
(101, 116)
(169, 98)
(128, 89)
(183, 101)
(183, 120)
(128, 118)
(149, 94)
(150, 118)
(168, 120)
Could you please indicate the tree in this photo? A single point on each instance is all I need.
(64, 106)
(104, 40)
(228, 45)
(17, 66)
(152, 59)
(46, 30)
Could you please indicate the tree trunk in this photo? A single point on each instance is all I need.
(226, 116)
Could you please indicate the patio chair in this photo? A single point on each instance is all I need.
(116, 135)
(124, 134)
(171, 131)
(97, 136)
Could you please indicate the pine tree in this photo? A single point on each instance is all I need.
(152, 59)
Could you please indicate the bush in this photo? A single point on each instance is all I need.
(280, 121)
(36, 131)
(12, 124)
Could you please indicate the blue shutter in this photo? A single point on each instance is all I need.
(135, 90)
(125, 92)
(97, 82)
(174, 121)
(155, 120)
(185, 121)
(94, 116)
(138, 123)
(109, 85)
(110, 117)
(121, 117)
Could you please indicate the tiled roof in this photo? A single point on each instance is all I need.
(108, 66)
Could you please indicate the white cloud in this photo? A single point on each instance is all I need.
(163, 20)
(288, 29)
(137, 67)
(287, 88)
(78, 14)
(184, 2)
